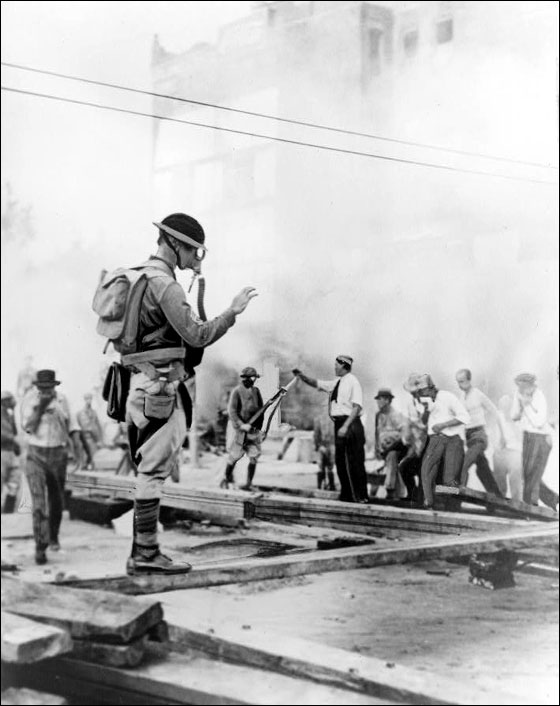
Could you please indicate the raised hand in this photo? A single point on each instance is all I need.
(241, 300)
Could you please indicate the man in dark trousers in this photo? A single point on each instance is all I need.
(446, 437)
(345, 409)
(244, 401)
(162, 385)
(530, 409)
(46, 419)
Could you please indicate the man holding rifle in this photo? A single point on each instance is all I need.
(245, 400)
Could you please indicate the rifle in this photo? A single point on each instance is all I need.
(275, 400)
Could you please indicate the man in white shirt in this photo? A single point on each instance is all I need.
(477, 405)
(530, 409)
(46, 419)
(446, 434)
(345, 408)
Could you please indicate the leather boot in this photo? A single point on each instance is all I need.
(251, 468)
(227, 480)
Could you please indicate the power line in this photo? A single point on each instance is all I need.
(300, 143)
(291, 121)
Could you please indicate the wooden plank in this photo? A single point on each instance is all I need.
(129, 655)
(230, 507)
(193, 679)
(371, 518)
(301, 492)
(295, 532)
(30, 697)
(221, 507)
(331, 665)
(25, 641)
(76, 688)
(550, 572)
(86, 614)
(516, 507)
(329, 560)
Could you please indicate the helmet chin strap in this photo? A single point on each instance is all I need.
(167, 241)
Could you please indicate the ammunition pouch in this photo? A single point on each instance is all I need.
(158, 406)
(115, 391)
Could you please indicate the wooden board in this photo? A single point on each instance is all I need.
(334, 666)
(129, 655)
(85, 614)
(230, 507)
(330, 560)
(30, 697)
(221, 507)
(371, 519)
(515, 507)
(25, 641)
(192, 679)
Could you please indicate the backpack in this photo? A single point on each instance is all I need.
(117, 302)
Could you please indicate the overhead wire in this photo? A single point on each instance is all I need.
(274, 138)
(301, 123)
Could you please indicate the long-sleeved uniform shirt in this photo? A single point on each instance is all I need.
(166, 319)
(243, 403)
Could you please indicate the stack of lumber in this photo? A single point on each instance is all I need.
(222, 507)
(369, 519)
(44, 620)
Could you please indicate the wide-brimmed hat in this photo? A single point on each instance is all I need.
(249, 372)
(184, 228)
(45, 378)
(425, 381)
(525, 379)
(412, 382)
(384, 392)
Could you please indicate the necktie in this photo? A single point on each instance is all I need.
(334, 393)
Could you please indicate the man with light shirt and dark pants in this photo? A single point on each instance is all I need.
(477, 404)
(46, 418)
(446, 434)
(530, 409)
(345, 408)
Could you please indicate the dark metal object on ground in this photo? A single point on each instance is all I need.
(493, 571)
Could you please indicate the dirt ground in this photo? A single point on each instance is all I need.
(505, 639)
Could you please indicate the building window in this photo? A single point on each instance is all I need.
(410, 42)
(444, 31)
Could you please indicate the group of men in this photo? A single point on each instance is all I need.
(444, 435)
(160, 379)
